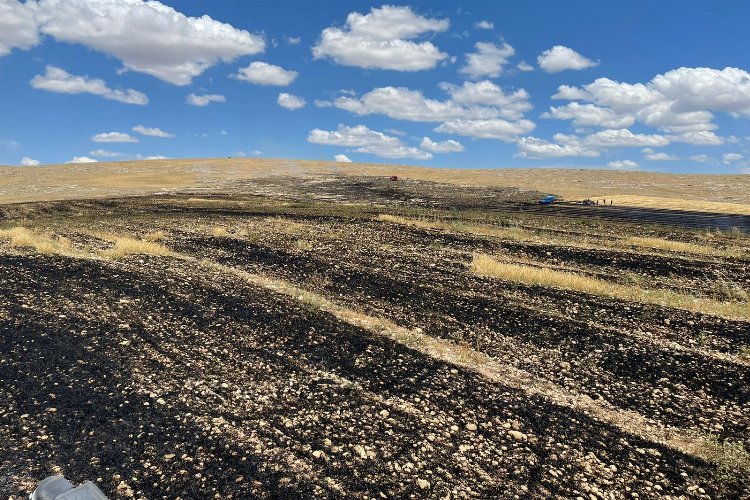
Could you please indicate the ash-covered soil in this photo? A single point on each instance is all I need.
(173, 376)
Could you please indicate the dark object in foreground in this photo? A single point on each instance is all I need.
(394, 177)
(59, 488)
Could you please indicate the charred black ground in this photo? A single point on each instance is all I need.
(172, 376)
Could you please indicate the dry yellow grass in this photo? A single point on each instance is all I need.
(681, 247)
(155, 236)
(484, 265)
(678, 204)
(511, 233)
(124, 246)
(56, 182)
(219, 232)
(21, 237)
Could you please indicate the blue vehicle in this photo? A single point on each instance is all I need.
(547, 199)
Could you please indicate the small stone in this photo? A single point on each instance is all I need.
(169, 456)
(384, 413)
(317, 454)
(423, 484)
(518, 436)
(471, 427)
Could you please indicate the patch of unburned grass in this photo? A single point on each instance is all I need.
(21, 237)
(484, 265)
(155, 236)
(731, 458)
(219, 232)
(124, 246)
(680, 247)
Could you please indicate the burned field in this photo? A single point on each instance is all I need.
(370, 341)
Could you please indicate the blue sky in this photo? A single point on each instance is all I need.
(653, 85)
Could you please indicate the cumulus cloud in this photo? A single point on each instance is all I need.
(103, 153)
(488, 60)
(383, 39)
(262, 73)
(624, 138)
(449, 146)
(622, 164)
(560, 58)
(495, 128)
(586, 115)
(524, 66)
(535, 148)
(342, 158)
(290, 101)
(58, 80)
(18, 28)
(113, 137)
(728, 158)
(26, 161)
(205, 99)
(82, 159)
(152, 132)
(485, 109)
(485, 25)
(147, 36)
(652, 155)
(365, 140)
(292, 40)
(682, 101)
(700, 158)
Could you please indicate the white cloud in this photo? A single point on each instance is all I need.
(472, 100)
(488, 60)
(704, 138)
(728, 158)
(103, 153)
(290, 101)
(223, 132)
(485, 25)
(320, 103)
(622, 164)
(449, 146)
(700, 158)
(26, 161)
(148, 37)
(624, 138)
(262, 73)
(650, 154)
(560, 58)
(495, 128)
(82, 159)
(154, 157)
(152, 132)
(60, 81)
(534, 148)
(382, 39)
(681, 101)
(18, 28)
(366, 141)
(292, 40)
(524, 66)
(205, 99)
(586, 115)
(342, 158)
(113, 137)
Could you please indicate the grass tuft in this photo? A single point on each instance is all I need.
(21, 237)
(155, 236)
(124, 246)
(484, 265)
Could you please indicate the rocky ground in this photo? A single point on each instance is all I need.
(198, 375)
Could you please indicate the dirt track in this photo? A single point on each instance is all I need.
(161, 377)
